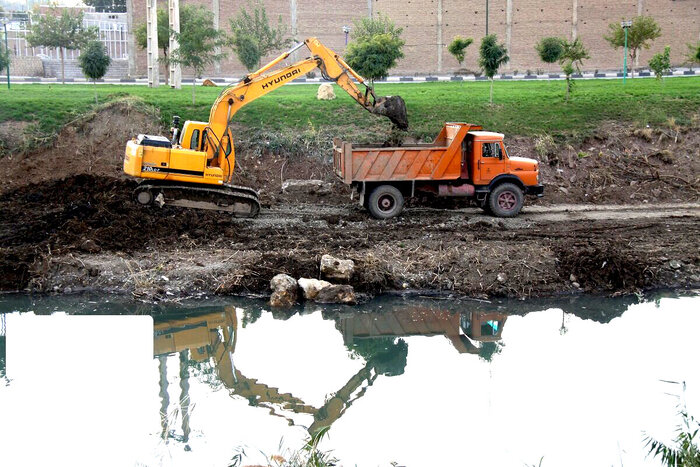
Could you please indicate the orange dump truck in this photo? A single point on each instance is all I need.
(463, 161)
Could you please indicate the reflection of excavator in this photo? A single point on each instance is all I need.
(195, 168)
(370, 335)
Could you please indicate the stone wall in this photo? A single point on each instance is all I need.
(52, 69)
(430, 25)
(26, 66)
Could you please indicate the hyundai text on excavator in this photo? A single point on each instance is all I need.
(195, 167)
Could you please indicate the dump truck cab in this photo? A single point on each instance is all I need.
(485, 162)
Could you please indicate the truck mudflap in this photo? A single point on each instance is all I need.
(535, 190)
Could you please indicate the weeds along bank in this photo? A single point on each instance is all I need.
(68, 221)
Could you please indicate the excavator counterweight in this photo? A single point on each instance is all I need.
(195, 168)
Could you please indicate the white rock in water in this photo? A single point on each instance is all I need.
(306, 186)
(284, 289)
(325, 92)
(312, 287)
(335, 268)
(344, 294)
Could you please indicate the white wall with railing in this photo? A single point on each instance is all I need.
(112, 33)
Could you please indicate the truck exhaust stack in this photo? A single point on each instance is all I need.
(393, 108)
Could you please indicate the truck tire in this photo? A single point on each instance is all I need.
(385, 202)
(506, 200)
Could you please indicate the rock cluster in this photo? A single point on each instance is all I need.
(325, 92)
(285, 288)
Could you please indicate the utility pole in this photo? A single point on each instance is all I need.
(625, 25)
(487, 17)
(152, 43)
(175, 70)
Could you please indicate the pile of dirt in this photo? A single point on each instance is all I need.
(603, 267)
(93, 144)
(90, 214)
(619, 164)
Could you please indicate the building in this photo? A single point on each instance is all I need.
(430, 25)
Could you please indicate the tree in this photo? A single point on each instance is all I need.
(570, 56)
(94, 62)
(107, 6)
(458, 47)
(550, 49)
(660, 63)
(198, 43)
(247, 50)
(571, 59)
(252, 35)
(491, 56)
(4, 57)
(61, 32)
(375, 47)
(640, 35)
(692, 55)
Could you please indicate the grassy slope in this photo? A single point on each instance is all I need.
(520, 108)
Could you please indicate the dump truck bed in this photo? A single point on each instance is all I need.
(441, 160)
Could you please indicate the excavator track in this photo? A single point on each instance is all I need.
(237, 200)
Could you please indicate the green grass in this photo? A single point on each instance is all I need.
(520, 108)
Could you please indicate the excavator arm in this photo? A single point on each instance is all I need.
(262, 81)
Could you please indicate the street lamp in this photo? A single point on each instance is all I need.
(7, 49)
(625, 26)
(346, 30)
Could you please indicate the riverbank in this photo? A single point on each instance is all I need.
(620, 214)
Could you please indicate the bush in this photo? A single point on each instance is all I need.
(376, 47)
(550, 49)
(458, 47)
(661, 63)
(94, 62)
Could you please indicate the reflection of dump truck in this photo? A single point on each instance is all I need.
(463, 330)
(463, 161)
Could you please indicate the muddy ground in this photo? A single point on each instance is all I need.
(620, 215)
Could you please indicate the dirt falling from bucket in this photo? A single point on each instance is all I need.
(394, 108)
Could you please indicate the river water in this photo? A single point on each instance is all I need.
(415, 382)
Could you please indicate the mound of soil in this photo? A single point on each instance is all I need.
(619, 164)
(93, 145)
(89, 213)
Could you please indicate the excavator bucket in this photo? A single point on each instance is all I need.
(394, 108)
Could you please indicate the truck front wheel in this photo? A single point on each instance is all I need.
(506, 200)
(385, 202)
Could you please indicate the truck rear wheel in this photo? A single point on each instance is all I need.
(385, 202)
(506, 200)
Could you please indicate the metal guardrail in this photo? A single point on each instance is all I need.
(113, 34)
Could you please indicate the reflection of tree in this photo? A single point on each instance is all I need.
(386, 354)
(488, 350)
(2, 355)
(563, 329)
(250, 316)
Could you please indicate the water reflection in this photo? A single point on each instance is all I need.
(207, 343)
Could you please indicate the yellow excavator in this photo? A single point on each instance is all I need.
(195, 167)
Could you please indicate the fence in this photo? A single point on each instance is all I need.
(112, 34)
